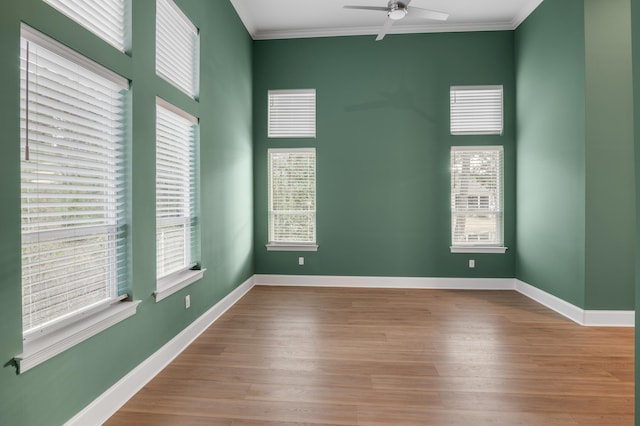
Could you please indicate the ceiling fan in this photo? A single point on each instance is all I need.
(397, 10)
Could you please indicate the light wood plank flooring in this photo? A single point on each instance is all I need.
(336, 356)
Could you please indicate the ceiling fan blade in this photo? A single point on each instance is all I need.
(387, 25)
(382, 9)
(427, 14)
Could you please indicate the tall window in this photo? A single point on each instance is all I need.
(108, 19)
(292, 199)
(476, 110)
(476, 196)
(177, 48)
(292, 114)
(177, 236)
(73, 124)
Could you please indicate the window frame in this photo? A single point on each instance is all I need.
(48, 339)
(275, 245)
(476, 116)
(297, 123)
(95, 15)
(171, 65)
(492, 246)
(191, 270)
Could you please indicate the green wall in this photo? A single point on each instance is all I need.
(550, 190)
(635, 25)
(575, 189)
(610, 209)
(56, 390)
(383, 149)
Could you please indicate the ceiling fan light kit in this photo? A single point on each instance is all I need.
(397, 10)
(397, 13)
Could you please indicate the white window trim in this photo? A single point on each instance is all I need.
(460, 132)
(95, 21)
(291, 247)
(166, 286)
(50, 339)
(274, 131)
(70, 54)
(176, 281)
(479, 247)
(171, 76)
(46, 342)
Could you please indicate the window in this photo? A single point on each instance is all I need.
(177, 231)
(476, 198)
(108, 19)
(292, 199)
(292, 114)
(73, 163)
(476, 110)
(177, 48)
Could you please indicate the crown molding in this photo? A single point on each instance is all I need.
(398, 29)
(524, 13)
(243, 11)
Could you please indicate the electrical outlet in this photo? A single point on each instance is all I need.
(472, 263)
(187, 301)
(301, 260)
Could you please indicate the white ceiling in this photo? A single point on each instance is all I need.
(276, 19)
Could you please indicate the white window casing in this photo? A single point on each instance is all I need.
(177, 229)
(292, 113)
(476, 110)
(477, 206)
(292, 199)
(108, 19)
(73, 185)
(177, 48)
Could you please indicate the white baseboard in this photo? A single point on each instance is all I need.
(591, 318)
(574, 313)
(115, 397)
(386, 282)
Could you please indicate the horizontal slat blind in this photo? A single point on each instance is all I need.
(177, 48)
(292, 114)
(108, 19)
(476, 110)
(176, 190)
(73, 182)
(476, 195)
(292, 195)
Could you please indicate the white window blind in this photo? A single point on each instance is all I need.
(108, 19)
(73, 127)
(476, 110)
(292, 195)
(476, 196)
(292, 114)
(177, 233)
(177, 48)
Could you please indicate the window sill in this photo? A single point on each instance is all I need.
(175, 282)
(291, 247)
(478, 249)
(40, 348)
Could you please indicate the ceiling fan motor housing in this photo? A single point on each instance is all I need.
(397, 10)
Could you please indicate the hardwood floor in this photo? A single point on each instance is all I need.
(284, 356)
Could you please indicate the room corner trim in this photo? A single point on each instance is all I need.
(591, 318)
(117, 395)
